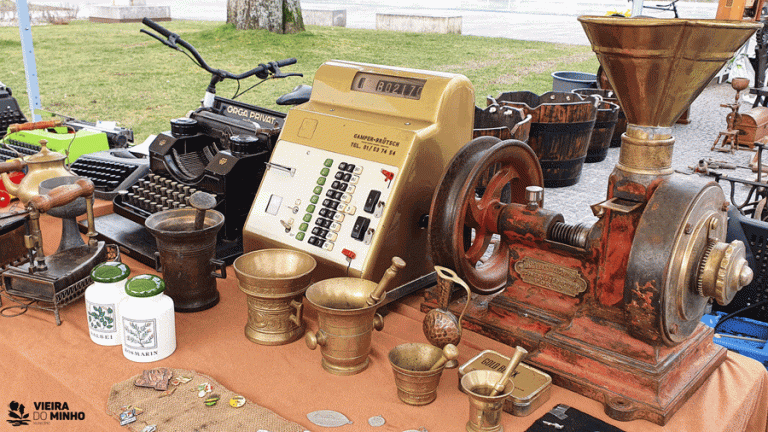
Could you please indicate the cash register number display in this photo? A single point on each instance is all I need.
(351, 178)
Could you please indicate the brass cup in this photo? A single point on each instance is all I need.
(274, 281)
(411, 363)
(346, 323)
(485, 410)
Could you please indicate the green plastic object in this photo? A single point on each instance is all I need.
(145, 285)
(59, 139)
(110, 272)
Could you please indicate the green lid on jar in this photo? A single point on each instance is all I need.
(110, 272)
(145, 285)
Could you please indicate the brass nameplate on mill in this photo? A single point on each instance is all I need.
(551, 276)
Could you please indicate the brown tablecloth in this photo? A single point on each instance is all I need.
(44, 363)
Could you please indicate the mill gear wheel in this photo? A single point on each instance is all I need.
(477, 177)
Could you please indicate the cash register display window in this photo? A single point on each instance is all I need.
(409, 88)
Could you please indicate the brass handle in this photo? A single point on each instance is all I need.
(517, 357)
(313, 340)
(12, 165)
(378, 322)
(450, 352)
(375, 296)
(45, 124)
(299, 306)
(61, 195)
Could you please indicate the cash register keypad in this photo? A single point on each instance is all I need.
(333, 206)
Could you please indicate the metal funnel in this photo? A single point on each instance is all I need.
(659, 66)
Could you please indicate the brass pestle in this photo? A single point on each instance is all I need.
(517, 357)
(450, 352)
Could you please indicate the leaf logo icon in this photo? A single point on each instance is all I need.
(17, 415)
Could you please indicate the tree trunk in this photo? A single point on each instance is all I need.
(293, 22)
(277, 16)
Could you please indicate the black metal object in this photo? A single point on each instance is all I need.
(10, 113)
(745, 225)
(668, 7)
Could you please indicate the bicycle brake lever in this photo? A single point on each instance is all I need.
(163, 41)
(172, 38)
(283, 75)
(277, 73)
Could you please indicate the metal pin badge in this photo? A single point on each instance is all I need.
(127, 417)
(328, 418)
(167, 392)
(149, 428)
(237, 401)
(178, 380)
(212, 400)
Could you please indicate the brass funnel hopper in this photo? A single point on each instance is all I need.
(657, 68)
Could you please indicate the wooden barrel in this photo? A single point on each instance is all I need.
(561, 128)
(607, 115)
(503, 122)
(609, 95)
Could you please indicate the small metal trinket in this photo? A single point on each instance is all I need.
(127, 417)
(203, 388)
(212, 400)
(155, 378)
(554, 425)
(376, 421)
(178, 380)
(167, 392)
(149, 428)
(237, 401)
(328, 418)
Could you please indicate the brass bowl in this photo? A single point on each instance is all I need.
(416, 384)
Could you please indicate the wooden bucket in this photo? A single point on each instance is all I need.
(609, 95)
(561, 128)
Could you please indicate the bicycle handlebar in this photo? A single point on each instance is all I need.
(173, 39)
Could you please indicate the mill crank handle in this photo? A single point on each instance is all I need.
(61, 195)
(517, 357)
(375, 296)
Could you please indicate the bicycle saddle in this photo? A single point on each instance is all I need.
(297, 96)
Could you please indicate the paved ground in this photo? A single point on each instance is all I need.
(692, 143)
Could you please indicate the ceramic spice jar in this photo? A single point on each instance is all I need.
(101, 300)
(148, 321)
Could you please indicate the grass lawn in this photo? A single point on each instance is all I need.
(112, 72)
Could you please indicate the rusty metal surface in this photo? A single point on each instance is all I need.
(457, 205)
(611, 310)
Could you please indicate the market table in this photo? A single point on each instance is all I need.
(45, 363)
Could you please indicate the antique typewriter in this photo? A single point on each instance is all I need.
(112, 170)
(224, 155)
(12, 149)
(10, 113)
(62, 139)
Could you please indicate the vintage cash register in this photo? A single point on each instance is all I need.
(351, 177)
(610, 310)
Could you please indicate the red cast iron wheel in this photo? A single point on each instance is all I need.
(464, 202)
